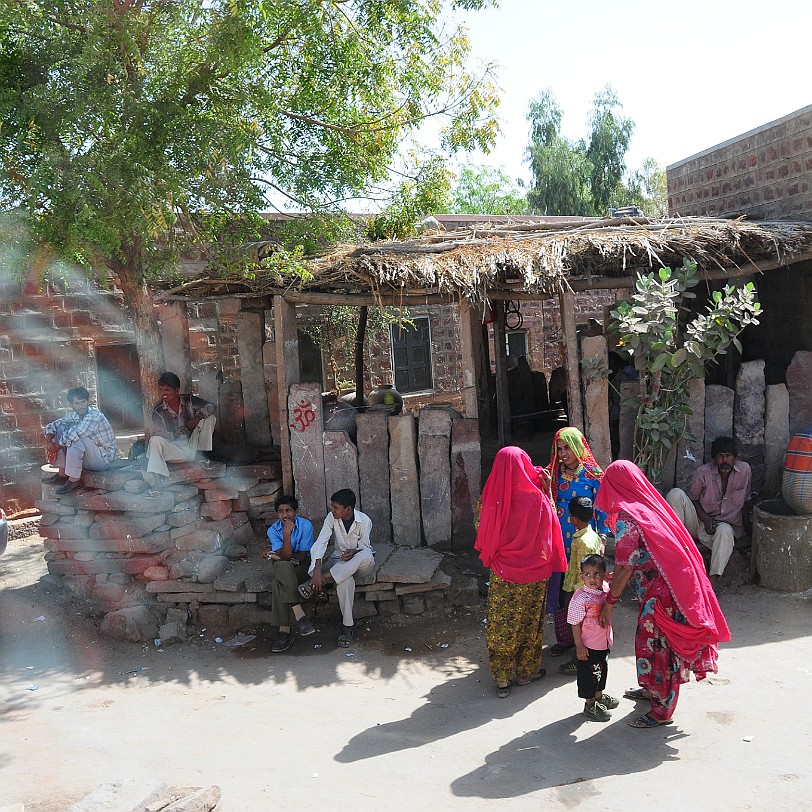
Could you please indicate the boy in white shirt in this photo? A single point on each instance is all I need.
(352, 552)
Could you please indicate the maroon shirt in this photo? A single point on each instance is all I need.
(706, 488)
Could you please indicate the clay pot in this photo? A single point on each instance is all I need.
(339, 416)
(386, 395)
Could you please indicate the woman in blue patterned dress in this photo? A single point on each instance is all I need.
(573, 472)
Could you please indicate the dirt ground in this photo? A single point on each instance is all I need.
(406, 719)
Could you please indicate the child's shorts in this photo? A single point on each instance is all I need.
(592, 673)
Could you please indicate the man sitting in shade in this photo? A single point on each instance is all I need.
(716, 510)
(182, 426)
(82, 439)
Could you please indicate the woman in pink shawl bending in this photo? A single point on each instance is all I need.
(680, 622)
(519, 539)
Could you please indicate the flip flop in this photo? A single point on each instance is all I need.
(637, 694)
(305, 590)
(647, 721)
(527, 680)
(347, 636)
(503, 691)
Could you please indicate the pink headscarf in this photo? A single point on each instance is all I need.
(626, 488)
(519, 534)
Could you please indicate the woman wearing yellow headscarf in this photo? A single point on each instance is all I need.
(573, 472)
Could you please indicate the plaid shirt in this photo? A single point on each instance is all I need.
(94, 426)
(169, 425)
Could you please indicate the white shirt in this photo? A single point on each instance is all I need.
(357, 536)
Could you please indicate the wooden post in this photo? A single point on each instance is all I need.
(287, 365)
(575, 411)
(502, 397)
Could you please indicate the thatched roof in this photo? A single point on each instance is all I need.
(501, 259)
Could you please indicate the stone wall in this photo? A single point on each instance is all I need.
(764, 173)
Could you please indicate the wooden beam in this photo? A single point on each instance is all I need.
(575, 410)
(502, 395)
(287, 369)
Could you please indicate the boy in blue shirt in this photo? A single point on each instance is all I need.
(291, 538)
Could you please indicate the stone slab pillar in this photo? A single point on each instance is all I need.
(250, 334)
(473, 366)
(230, 427)
(596, 398)
(776, 437)
(690, 453)
(307, 450)
(718, 415)
(748, 418)
(434, 453)
(340, 464)
(466, 480)
(403, 481)
(175, 340)
(373, 472)
(799, 386)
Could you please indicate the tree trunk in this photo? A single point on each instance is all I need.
(147, 332)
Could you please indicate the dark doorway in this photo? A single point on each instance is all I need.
(117, 386)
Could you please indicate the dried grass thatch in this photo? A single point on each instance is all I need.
(530, 257)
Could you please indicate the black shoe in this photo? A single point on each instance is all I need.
(283, 642)
(56, 479)
(69, 487)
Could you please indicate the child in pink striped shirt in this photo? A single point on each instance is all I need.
(592, 641)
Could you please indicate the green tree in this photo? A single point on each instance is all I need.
(609, 138)
(127, 123)
(559, 166)
(581, 177)
(648, 190)
(487, 190)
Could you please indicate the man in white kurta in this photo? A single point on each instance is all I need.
(352, 553)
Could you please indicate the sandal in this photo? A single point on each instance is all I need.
(306, 590)
(647, 720)
(558, 650)
(527, 680)
(347, 636)
(503, 691)
(637, 694)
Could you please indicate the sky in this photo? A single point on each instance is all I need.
(689, 74)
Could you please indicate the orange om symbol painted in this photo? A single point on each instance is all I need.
(303, 415)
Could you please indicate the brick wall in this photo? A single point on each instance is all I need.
(48, 341)
(764, 173)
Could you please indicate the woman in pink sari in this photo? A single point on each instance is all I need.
(680, 622)
(519, 539)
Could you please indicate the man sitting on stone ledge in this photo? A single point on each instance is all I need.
(79, 440)
(291, 538)
(182, 426)
(716, 511)
(352, 552)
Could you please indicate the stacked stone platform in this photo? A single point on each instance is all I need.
(191, 553)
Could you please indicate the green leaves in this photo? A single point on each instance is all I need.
(125, 124)
(671, 352)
